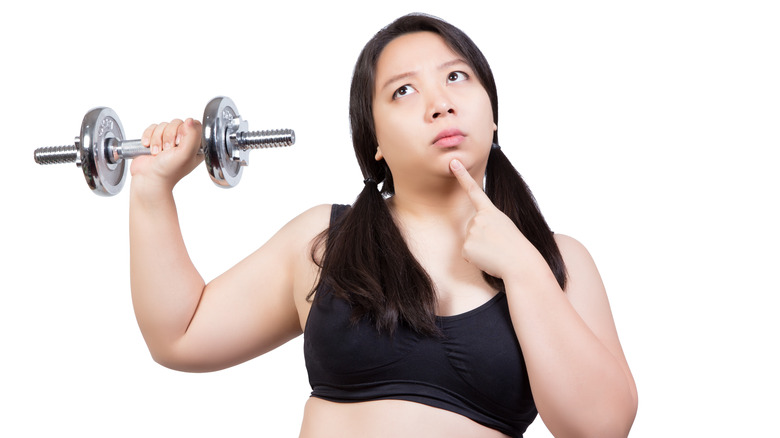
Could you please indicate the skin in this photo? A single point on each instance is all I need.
(579, 376)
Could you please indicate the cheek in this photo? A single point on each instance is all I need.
(487, 109)
(488, 120)
(382, 126)
(484, 118)
(391, 129)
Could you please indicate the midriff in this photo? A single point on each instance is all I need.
(387, 418)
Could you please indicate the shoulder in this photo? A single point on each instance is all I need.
(310, 223)
(315, 217)
(585, 290)
(580, 267)
(571, 248)
(297, 236)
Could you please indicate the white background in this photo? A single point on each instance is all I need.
(646, 130)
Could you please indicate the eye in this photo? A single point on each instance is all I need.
(457, 76)
(403, 91)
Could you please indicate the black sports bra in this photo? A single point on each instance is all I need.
(476, 369)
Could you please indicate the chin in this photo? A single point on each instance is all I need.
(468, 158)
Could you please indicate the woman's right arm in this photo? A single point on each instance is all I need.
(251, 309)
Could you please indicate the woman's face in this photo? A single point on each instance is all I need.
(429, 107)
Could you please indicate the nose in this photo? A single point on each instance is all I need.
(444, 111)
(440, 106)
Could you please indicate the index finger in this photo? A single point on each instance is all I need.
(478, 197)
(147, 135)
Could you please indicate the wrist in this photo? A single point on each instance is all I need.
(530, 271)
(148, 190)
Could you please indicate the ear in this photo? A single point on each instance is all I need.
(495, 127)
(378, 156)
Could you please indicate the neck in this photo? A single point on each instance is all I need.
(437, 200)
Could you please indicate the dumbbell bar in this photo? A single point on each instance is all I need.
(101, 150)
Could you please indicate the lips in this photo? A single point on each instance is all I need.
(449, 138)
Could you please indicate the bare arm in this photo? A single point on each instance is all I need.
(581, 382)
(579, 376)
(247, 311)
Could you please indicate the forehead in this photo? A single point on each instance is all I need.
(412, 52)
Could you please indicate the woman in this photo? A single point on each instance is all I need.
(430, 309)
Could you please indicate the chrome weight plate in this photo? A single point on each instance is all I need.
(224, 164)
(103, 177)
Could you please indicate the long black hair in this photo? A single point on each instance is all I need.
(365, 259)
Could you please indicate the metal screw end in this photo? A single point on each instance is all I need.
(56, 155)
(264, 139)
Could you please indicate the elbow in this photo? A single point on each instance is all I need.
(615, 416)
(173, 360)
(167, 359)
(178, 357)
(609, 420)
(616, 429)
(598, 428)
(616, 423)
(177, 364)
(613, 431)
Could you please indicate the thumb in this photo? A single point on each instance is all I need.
(473, 190)
(189, 136)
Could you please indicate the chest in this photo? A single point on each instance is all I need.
(460, 286)
(477, 357)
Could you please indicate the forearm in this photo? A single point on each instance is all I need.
(580, 380)
(579, 386)
(166, 287)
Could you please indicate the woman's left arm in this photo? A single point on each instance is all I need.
(581, 382)
(580, 378)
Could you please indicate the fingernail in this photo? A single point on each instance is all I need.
(178, 139)
(145, 141)
(456, 165)
(166, 145)
(155, 150)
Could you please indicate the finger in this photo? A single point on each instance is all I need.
(189, 135)
(170, 133)
(156, 140)
(146, 137)
(473, 190)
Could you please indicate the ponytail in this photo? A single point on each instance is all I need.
(367, 263)
(510, 194)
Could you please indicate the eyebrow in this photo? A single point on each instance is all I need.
(405, 75)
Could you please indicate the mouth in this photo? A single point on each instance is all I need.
(449, 138)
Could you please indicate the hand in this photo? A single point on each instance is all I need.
(493, 242)
(174, 148)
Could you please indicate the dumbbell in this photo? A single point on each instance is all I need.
(101, 150)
